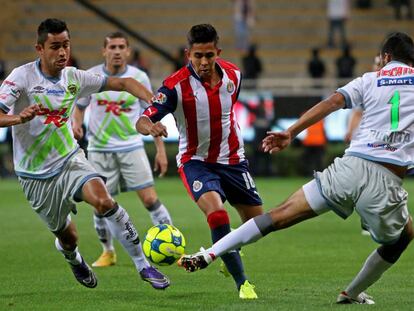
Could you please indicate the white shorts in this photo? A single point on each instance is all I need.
(124, 171)
(372, 190)
(54, 198)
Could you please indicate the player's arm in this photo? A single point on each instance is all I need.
(129, 85)
(24, 116)
(161, 160)
(77, 121)
(163, 103)
(276, 141)
(353, 123)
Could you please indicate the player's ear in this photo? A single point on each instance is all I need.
(39, 47)
(218, 51)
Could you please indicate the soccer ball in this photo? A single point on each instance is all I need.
(163, 244)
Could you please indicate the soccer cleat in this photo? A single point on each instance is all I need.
(107, 258)
(247, 291)
(196, 261)
(154, 277)
(84, 274)
(362, 298)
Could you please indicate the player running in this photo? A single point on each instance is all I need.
(368, 178)
(211, 157)
(52, 170)
(115, 149)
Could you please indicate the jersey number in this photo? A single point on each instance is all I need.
(395, 110)
(248, 180)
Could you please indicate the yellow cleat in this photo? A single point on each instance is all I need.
(247, 291)
(107, 258)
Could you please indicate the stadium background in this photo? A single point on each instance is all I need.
(300, 269)
(285, 32)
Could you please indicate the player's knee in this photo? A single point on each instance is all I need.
(150, 202)
(391, 253)
(69, 241)
(218, 218)
(103, 205)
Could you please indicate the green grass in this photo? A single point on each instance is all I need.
(302, 268)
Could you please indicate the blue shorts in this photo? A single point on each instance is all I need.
(233, 182)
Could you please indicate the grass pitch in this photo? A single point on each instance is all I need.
(301, 268)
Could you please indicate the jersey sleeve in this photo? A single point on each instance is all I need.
(353, 93)
(163, 103)
(89, 83)
(11, 89)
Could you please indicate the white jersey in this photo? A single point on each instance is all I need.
(42, 146)
(386, 131)
(111, 126)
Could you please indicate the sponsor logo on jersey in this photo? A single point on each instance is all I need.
(73, 89)
(113, 106)
(57, 117)
(160, 98)
(395, 81)
(230, 87)
(382, 146)
(7, 82)
(396, 71)
(150, 111)
(197, 185)
(55, 92)
(38, 90)
(15, 93)
(391, 138)
(3, 96)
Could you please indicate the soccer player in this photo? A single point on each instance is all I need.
(52, 170)
(211, 158)
(368, 178)
(115, 149)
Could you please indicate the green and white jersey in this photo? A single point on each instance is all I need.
(42, 146)
(386, 131)
(112, 118)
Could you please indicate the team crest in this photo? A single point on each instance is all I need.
(197, 185)
(73, 89)
(160, 98)
(230, 87)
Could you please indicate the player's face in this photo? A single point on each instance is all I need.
(203, 58)
(54, 53)
(116, 52)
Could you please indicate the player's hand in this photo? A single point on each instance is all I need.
(276, 141)
(158, 129)
(77, 131)
(28, 113)
(161, 163)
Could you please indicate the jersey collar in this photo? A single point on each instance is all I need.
(119, 74)
(54, 80)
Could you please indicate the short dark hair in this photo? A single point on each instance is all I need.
(50, 25)
(202, 33)
(113, 35)
(400, 46)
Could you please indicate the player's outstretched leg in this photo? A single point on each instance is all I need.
(66, 244)
(376, 264)
(108, 256)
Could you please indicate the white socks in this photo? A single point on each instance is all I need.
(160, 215)
(245, 234)
(73, 257)
(104, 234)
(124, 231)
(372, 270)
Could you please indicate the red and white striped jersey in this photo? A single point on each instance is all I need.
(204, 116)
